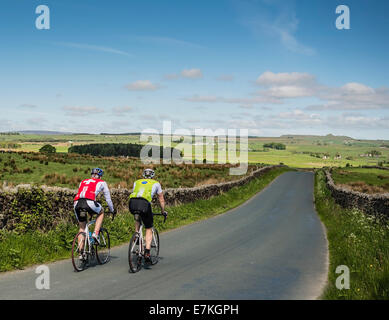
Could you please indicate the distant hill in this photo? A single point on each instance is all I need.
(328, 136)
(43, 132)
(121, 134)
(47, 132)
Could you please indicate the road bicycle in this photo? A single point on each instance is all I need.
(136, 249)
(85, 249)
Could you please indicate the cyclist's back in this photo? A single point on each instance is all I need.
(146, 189)
(140, 203)
(85, 201)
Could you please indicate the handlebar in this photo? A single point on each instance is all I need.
(161, 214)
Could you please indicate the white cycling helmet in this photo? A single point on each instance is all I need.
(148, 174)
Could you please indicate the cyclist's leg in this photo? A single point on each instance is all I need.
(137, 222)
(149, 238)
(136, 206)
(99, 221)
(78, 206)
(147, 218)
(96, 208)
(81, 239)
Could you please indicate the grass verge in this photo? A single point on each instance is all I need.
(21, 250)
(358, 241)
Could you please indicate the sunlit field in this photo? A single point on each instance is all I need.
(300, 151)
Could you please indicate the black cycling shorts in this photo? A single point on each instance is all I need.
(83, 206)
(143, 208)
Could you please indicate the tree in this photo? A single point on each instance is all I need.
(274, 145)
(48, 148)
(375, 153)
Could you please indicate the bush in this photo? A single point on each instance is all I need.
(48, 148)
(38, 216)
(274, 145)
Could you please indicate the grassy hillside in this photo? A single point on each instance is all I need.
(67, 170)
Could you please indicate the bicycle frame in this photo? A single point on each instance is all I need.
(142, 244)
(88, 239)
(136, 251)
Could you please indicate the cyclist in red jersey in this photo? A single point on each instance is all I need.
(85, 200)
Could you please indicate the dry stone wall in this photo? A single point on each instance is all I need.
(26, 203)
(369, 203)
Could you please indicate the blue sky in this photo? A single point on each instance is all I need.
(271, 66)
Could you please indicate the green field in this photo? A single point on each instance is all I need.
(362, 179)
(319, 151)
(301, 151)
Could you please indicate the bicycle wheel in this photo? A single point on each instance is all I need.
(154, 250)
(134, 254)
(104, 248)
(80, 257)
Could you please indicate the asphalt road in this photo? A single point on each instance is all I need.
(271, 247)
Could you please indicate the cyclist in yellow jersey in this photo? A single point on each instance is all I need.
(140, 205)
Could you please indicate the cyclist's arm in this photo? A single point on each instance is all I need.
(160, 197)
(161, 201)
(107, 196)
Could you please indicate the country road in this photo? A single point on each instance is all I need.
(272, 247)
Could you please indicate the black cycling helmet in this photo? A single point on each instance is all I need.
(97, 171)
(148, 174)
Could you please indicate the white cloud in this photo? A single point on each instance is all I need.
(357, 88)
(286, 92)
(287, 85)
(185, 74)
(298, 114)
(198, 98)
(357, 121)
(270, 79)
(142, 85)
(192, 73)
(352, 96)
(243, 101)
(277, 87)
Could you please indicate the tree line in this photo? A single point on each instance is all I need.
(115, 149)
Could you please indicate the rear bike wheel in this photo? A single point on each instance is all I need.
(154, 250)
(134, 253)
(80, 256)
(104, 248)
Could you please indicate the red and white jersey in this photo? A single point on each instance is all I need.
(90, 188)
